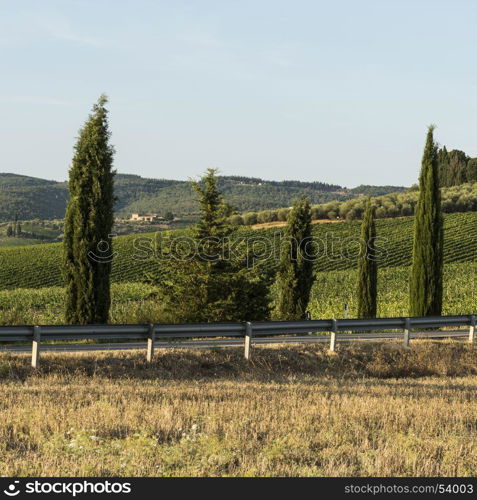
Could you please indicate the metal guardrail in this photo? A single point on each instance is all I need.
(247, 331)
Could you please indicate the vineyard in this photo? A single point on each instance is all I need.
(136, 255)
(332, 290)
(136, 302)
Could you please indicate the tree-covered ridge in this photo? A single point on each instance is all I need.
(321, 186)
(368, 190)
(242, 193)
(46, 201)
(18, 181)
(462, 198)
(31, 198)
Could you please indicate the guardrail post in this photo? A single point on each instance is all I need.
(472, 329)
(150, 343)
(308, 318)
(248, 340)
(334, 330)
(35, 347)
(407, 332)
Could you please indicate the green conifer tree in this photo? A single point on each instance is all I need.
(212, 230)
(88, 222)
(443, 167)
(204, 280)
(472, 170)
(295, 277)
(367, 266)
(427, 258)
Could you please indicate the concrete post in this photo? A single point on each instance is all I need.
(248, 340)
(407, 332)
(35, 348)
(150, 343)
(334, 331)
(472, 329)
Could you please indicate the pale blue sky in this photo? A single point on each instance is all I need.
(336, 91)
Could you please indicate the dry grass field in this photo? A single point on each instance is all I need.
(370, 409)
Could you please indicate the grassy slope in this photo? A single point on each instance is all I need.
(370, 410)
(40, 265)
(19, 242)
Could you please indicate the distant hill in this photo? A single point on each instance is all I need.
(32, 198)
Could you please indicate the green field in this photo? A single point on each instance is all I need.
(136, 303)
(40, 265)
(32, 233)
(19, 242)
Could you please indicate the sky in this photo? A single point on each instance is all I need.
(336, 91)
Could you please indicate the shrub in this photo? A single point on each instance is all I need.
(250, 218)
(282, 214)
(236, 220)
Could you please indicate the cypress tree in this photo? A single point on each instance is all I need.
(295, 277)
(426, 273)
(457, 167)
(88, 222)
(443, 167)
(367, 266)
(472, 170)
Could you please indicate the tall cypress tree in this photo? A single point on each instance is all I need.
(426, 274)
(15, 226)
(443, 167)
(295, 277)
(367, 266)
(88, 222)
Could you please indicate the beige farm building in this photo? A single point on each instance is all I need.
(146, 217)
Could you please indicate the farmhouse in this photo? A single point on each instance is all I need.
(146, 217)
